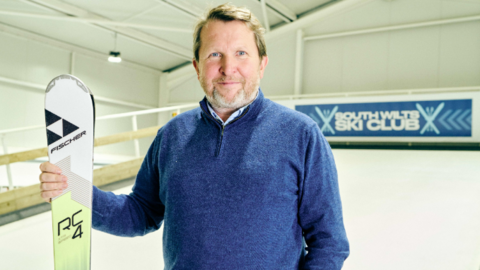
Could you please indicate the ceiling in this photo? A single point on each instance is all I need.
(152, 33)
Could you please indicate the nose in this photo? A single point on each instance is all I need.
(228, 66)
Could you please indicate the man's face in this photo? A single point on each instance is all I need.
(229, 68)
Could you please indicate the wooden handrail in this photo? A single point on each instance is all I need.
(111, 139)
(112, 173)
(24, 197)
(23, 156)
(127, 136)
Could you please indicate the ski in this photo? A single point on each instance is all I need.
(70, 125)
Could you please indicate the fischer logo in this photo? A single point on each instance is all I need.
(58, 128)
(67, 142)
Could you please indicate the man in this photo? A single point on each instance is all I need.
(240, 182)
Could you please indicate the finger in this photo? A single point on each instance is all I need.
(47, 195)
(50, 168)
(53, 186)
(50, 177)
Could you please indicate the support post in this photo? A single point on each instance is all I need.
(9, 173)
(163, 98)
(299, 62)
(72, 63)
(264, 13)
(135, 142)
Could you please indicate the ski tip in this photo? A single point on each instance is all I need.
(80, 84)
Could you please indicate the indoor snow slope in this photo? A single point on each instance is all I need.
(403, 210)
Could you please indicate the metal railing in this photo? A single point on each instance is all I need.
(379, 93)
(371, 93)
(133, 116)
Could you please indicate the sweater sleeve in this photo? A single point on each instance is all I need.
(138, 213)
(320, 209)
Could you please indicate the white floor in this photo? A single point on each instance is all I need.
(416, 210)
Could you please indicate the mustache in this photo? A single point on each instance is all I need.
(230, 79)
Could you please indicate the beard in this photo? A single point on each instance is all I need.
(243, 96)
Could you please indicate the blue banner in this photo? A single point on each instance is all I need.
(452, 118)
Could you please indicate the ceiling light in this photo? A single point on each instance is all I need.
(114, 57)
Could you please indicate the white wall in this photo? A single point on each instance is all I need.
(34, 62)
(427, 57)
(189, 91)
(279, 75)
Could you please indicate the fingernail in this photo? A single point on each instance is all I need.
(65, 185)
(59, 172)
(64, 178)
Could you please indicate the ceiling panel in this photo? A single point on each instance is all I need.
(303, 6)
(167, 16)
(113, 9)
(99, 39)
(184, 40)
(79, 34)
(147, 55)
(19, 6)
(89, 36)
(252, 5)
(96, 39)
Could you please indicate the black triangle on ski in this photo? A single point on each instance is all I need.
(52, 137)
(68, 127)
(51, 118)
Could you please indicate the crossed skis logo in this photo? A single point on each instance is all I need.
(57, 128)
(431, 113)
(326, 117)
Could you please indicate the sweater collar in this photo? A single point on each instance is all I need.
(251, 109)
(234, 115)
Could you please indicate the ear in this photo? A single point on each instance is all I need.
(195, 65)
(263, 65)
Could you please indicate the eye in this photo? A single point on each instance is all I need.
(215, 54)
(242, 53)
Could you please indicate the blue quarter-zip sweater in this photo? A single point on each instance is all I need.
(245, 196)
